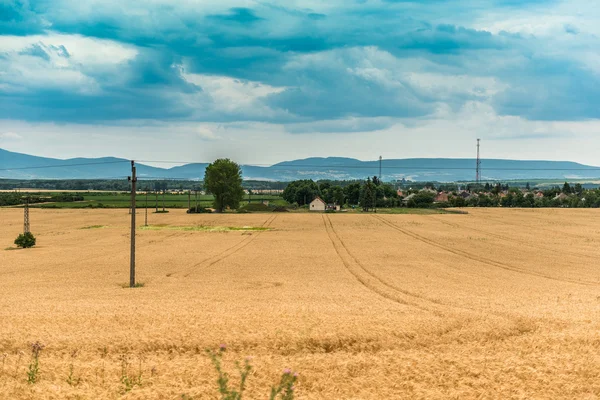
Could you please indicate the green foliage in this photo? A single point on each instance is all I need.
(422, 199)
(285, 387)
(352, 193)
(25, 240)
(223, 178)
(301, 192)
(226, 392)
(367, 195)
(199, 210)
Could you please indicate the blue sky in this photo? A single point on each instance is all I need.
(263, 81)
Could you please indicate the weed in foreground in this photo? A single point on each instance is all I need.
(284, 390)
(71, 379)
(33, 371)
(130, 381)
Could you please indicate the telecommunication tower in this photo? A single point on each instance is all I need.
(478, 169)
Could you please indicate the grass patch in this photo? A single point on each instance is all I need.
(137, 285)
(94, 227)
(161, 212)
(203, 228)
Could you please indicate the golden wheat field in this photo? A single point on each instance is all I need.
(494, 304)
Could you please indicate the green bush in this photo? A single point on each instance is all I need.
(280, 209)
(25, 240)
(199, 210)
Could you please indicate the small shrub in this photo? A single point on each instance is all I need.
(25, 240)
(199, 210)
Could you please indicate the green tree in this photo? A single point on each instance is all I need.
(223, 178)
(337, 193)
(567, 188)
(352, 193)
(301, 192)
(421, 200)
(367, 195)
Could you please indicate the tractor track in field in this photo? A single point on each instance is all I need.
(477, 258)
(513, 240)
(374, 283)
(208, 262)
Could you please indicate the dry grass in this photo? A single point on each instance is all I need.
(494, 304)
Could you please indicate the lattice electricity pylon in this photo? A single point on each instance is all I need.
(26, 216)
(478, 168)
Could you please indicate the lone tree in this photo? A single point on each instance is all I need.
(223, 178)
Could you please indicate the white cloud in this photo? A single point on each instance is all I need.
(206, 133)
(58, 62)
(10, 136)
(447, 134)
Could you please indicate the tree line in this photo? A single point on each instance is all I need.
(367, 194)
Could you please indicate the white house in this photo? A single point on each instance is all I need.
(317, 204)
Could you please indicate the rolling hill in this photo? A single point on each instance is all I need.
(23, 166)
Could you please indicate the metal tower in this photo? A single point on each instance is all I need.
(478, 169)
(26, 216)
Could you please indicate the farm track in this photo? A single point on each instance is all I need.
(208, 262)
(513, 240)
(477, 258)
(373, 282)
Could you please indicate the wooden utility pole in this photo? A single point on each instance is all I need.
(146, 218)
(156, 199)
(189, 200)
(133, 180)
(196, 196)
(164, 190)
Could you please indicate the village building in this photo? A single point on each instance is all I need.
(408, 198)
(442, 197)
(317, 204)
(561, 196)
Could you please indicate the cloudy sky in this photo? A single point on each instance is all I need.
(266, 81)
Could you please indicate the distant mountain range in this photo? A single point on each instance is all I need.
(23, 166)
